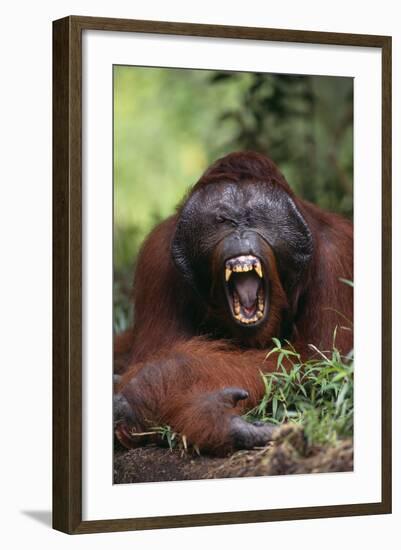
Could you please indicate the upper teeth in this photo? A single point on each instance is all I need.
(243, 263)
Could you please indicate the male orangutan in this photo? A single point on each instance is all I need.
(243, 260)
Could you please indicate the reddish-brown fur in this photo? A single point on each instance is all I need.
(178, 357)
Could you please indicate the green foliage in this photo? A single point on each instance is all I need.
(317, 394)
(305, 124)
(173, 439)
(166, 132)
(167, 434)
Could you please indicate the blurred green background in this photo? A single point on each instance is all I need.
(170, 124)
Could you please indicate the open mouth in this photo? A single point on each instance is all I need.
(246, 289)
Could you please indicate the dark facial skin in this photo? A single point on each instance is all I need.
(224, 233)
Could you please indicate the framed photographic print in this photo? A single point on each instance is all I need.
(222, 274)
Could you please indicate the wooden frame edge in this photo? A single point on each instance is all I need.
(227, 31)
(67, 274)
(228, 518)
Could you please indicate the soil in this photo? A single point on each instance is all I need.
(288, 453)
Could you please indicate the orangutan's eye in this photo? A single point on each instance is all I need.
(224, 219)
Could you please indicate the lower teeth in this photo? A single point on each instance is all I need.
(247, 321)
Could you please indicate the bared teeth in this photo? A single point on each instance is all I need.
(245, 320)
(241, 264)
(258, 269)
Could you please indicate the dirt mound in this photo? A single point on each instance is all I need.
(288, 453)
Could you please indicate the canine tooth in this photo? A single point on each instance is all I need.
(259, 314)
(258, 269)
(228, 273)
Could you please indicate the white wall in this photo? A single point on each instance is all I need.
(25, 269)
